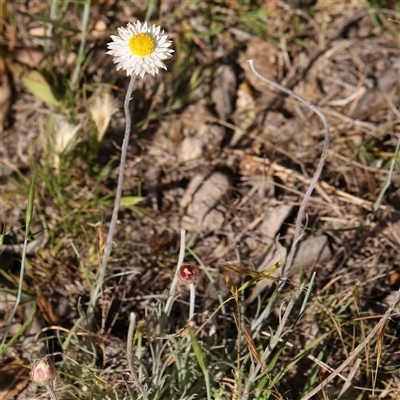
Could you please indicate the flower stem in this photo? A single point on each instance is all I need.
(298, 229)
(51, 391)
(192, 288)
(167, 308)
(132, 323)
(108, 246)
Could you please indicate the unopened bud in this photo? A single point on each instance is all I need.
(188, 272)
(43, 371)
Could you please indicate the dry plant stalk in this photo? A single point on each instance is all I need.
(298, 229)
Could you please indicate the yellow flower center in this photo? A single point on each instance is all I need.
(141, 44)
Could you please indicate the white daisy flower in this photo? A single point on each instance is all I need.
(140, 48)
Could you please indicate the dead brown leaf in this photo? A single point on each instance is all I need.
(14, 378)
(5, 94)
(48, 313)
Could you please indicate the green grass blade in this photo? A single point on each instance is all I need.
(55, 23)
(29, 213)
(388, 179)
(4, 347)
(201, 360)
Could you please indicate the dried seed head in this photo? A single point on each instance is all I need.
(188, 272)
(103, 107)
(43, 371)
(64, 138)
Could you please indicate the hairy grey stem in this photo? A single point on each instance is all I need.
(255, 369)
(51, 391)
(298, 230)
(192, 288)
(108, 246)
(279, 332)
(167, 308)
(129, 350)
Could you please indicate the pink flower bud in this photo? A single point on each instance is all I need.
(188, 272)
(43, 371)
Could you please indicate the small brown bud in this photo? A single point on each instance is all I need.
(188, 272)
(43, 371)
